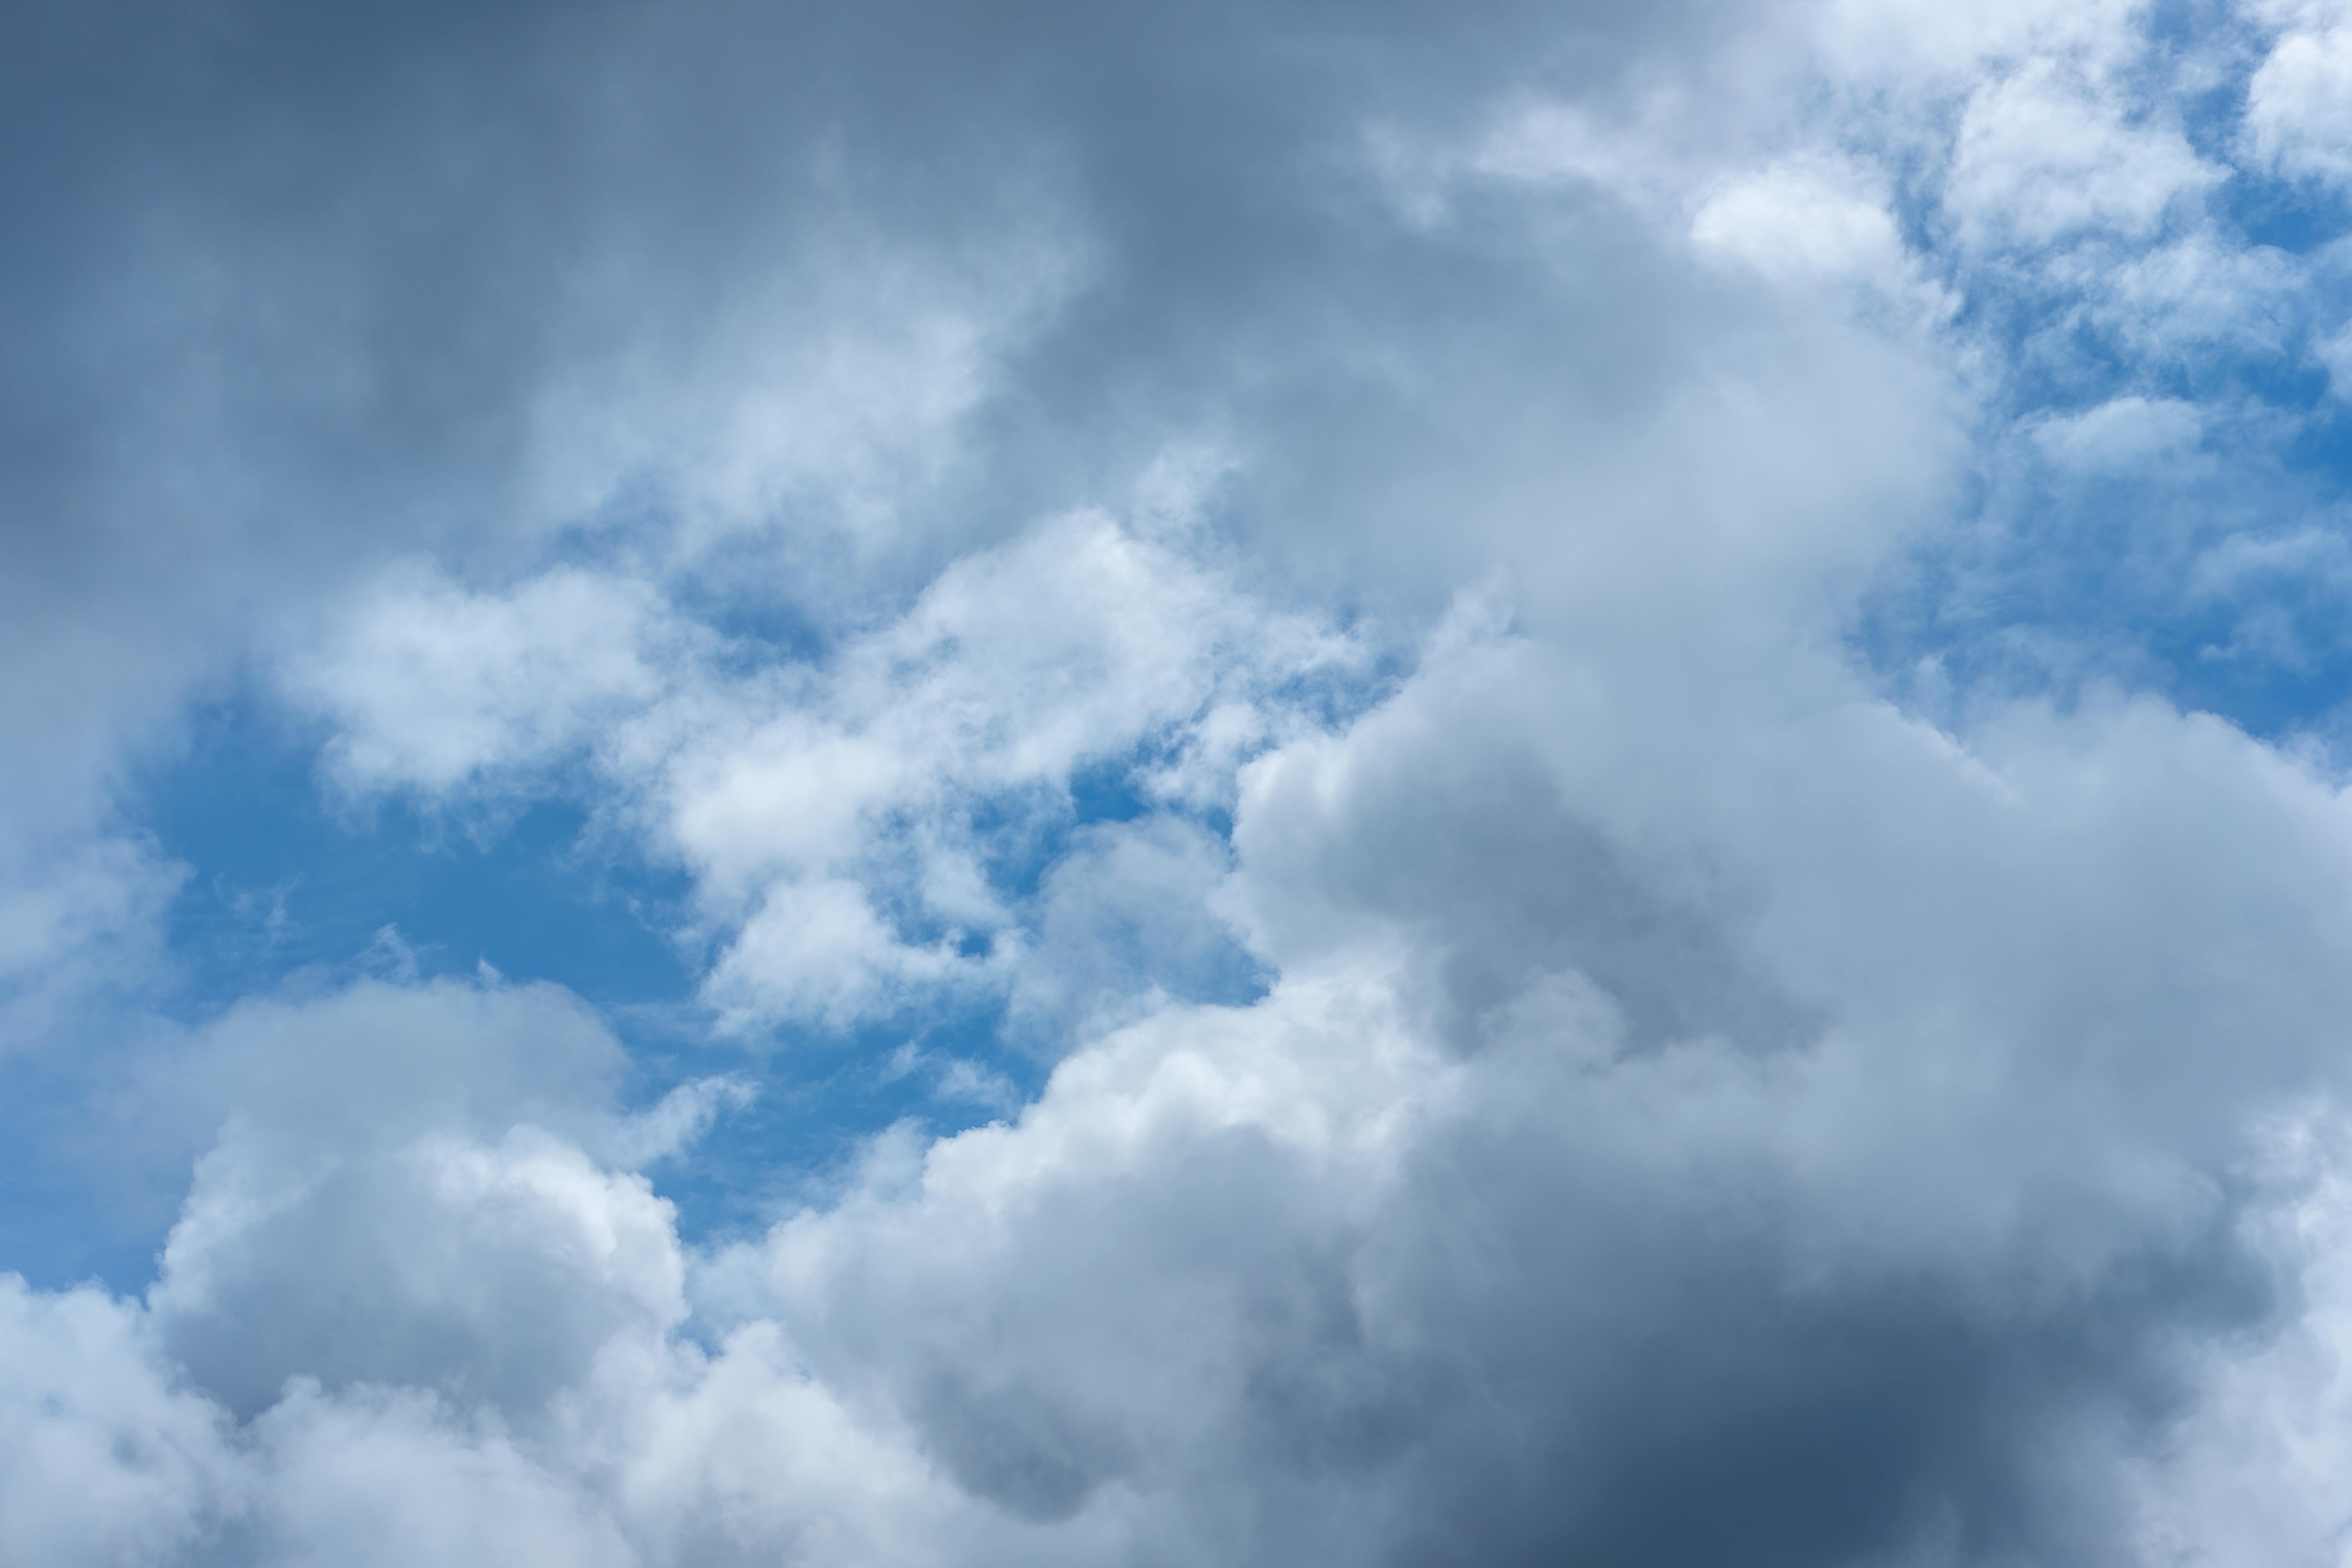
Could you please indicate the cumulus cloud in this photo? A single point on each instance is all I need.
(1535, 788)
(2294, 116)
(849, 815)
(2039, 159)
(436, 687)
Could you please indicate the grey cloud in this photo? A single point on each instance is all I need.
(1495, 884)
(1125, 914)
(301, 293)
(1624, 1305)
(379, 1205)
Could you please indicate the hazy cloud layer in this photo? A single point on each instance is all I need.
(1599, 750)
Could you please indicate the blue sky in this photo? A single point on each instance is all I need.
(1213, 786)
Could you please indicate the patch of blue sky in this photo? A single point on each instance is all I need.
(745, 600)
(86, 1192)
(2295, 217)
(283, 881)
(2198, 31)
(2221, 587)
(288, 883)
(283, 877)
(2144, 570)
(2064, 347)
(284, 885)
(818, 1101)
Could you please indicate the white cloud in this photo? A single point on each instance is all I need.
(105, 1460)
(832, 393)
(1799, 222)
(1078, 645)
(387, 1477)
(817, 951)
(2295, 115)
(671, 1125)
(2042, 158)
(2124, 434)
(434, 686)
(2248, 1475)
(490, 1272)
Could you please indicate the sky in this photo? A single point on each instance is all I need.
(940, 785)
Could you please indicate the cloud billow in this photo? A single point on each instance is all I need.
(1571, 778)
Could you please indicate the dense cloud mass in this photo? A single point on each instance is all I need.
(1208, 785)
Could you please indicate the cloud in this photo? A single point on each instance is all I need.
(1795, 221)
(922, 755)
(2041, 158)
(106, 1458)
(2123, 434)
(1322, 1252)
(1600, 738)
(2294, 120)
(434, 686)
